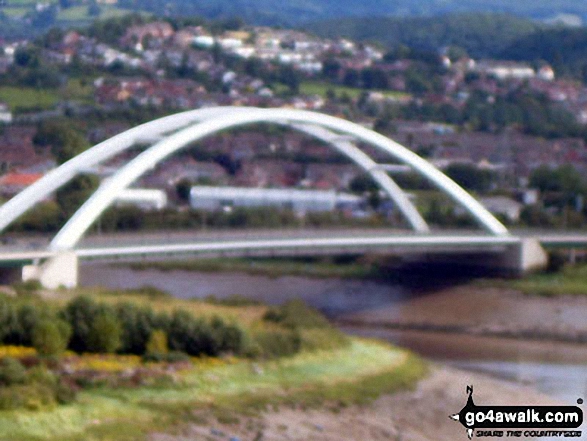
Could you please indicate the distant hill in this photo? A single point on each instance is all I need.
(293, 12)
(481, 34)
(286, 13)
(565, 49)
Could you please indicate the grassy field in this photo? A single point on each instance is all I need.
(80, 13)
(27, 98)
(316, 88)
(75, 90)
(360, 372)
(18, 8)
(15, 12)
(22, 98)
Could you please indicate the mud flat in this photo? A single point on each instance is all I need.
(418, 415)
(475, 310)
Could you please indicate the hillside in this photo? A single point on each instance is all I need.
(498, 36)
(481, 35)
(300, 11)
(565, 49)
(19, 18)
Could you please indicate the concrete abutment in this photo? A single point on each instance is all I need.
(57, 271)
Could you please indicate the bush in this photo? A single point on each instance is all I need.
(277, 343)
(64, 393)
(30, 396)
(196, 336)
(80, 313)
(227, 337)
(25, 320)
(190, 335)
(137, 327)
(7, 318)
(318, 339)
(11, 371)
(41, 375)
(29, 287)
(105, 333)
(10, 398)
(296, 314)
(157, 343)
(51, 337)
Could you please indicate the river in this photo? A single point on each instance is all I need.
(555, 368)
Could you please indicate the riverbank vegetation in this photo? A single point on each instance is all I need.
(356, 267)
(70, 364)
(571, 280)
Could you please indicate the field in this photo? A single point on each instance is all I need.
(21, 98)
(321, 89)
(71, 15)
(81, 14)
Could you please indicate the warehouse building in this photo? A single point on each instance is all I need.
(301, 201)
(143, 198)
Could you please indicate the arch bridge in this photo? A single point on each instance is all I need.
(169, 135)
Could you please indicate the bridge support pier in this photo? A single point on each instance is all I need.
(515, 260)
(60, 270)
(527, 257)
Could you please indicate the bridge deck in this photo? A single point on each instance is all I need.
(288, 241)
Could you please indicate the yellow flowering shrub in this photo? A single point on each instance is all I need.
(104, 362)
(17, 351)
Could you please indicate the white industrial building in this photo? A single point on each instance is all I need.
(144, 198)
(218, 198)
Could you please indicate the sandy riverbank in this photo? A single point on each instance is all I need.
(419, 415)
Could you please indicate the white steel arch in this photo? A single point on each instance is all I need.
(105, 195)
(364, 161)
(109, 148)
(99, 153)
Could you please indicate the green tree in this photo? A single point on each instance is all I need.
(45, 217)
(26, 56)
(7, 317)
(79, 313)
(183, 189)
(564, 183)
(157, 344)
(331, 69)
(470, 177)
(137, 327)
(105, 333)
(291, 78)
(362, 183)
(51, 337)
(65, 142)
(72, 195)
